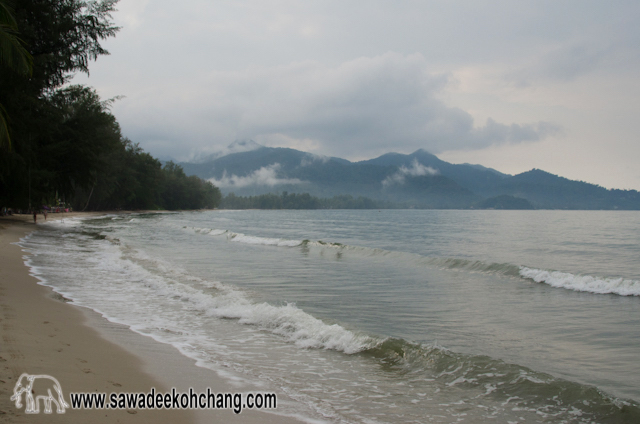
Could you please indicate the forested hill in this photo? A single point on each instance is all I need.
(549, 191)
(419, 179)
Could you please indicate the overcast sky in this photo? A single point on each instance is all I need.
(512, 85)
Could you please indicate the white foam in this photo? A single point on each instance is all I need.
(217, 232)
(207, 231)
(585, 283)
(288, 321)
(292, 323)
(162, 300)
(64, 222)
(271, 241)
(132, 273)
(265, 241)
(242, 238)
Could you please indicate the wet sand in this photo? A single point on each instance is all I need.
(43, 334)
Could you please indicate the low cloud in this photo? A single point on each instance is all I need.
(416, 170)
(310, 159)
(265, 176)
(361, 106)
(515, 133)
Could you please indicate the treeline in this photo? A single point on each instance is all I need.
(136, 180)
(300, 201)
(60, 142)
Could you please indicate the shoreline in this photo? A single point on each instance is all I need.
(87, 353)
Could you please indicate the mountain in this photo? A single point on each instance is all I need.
(474, 177)
(419, 179)
(549, 191)
(237, 146)
(273, 170)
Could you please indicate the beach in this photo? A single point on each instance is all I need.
(346, 316)
(42, 334)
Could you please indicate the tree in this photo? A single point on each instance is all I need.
(66, 141)
(181, 192)
(62, 37)
(12, 50)
(13, 55)
(83, 131)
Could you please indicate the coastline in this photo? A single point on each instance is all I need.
(86, 353)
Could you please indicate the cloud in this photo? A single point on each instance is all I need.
(238, 146)
(265, 176)
(310, 159)
(563, 63)
(369, 104)
(198, 75)
(417, 169)
(515, 133)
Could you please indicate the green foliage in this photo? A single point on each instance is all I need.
(84, 132)
(182, 192)
(505, 202)
(67, 145)
(127, 181)
(57, 136)
(63, 36)
(61, 151)
(56, 39)
(300, 201)
(135, 180)
(13, 55)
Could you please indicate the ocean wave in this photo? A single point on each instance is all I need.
(292, 323)
(130, 273)
(248, 239)
(64, 222)
(288, 321)
(474, 266)
(583, 283)
(127, 267)
(521, 388)
(227, 302)
(265, 241)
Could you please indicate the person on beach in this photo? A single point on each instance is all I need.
(35, 216)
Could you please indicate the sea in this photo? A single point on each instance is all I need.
(377, 316)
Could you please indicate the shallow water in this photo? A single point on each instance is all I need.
(378, 316)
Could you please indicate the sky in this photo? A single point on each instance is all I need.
(512, 85)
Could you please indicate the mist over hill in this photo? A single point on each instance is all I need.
(419, 179)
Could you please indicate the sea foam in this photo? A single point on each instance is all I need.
(132, 273)
(585, 283)
(247, 239)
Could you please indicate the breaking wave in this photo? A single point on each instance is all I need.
(558, 279)
(122, 266)
(119, 273)
(514, 387)
(583, 283)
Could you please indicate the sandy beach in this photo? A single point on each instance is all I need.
(43, 334)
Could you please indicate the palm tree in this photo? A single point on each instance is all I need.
(13, 55)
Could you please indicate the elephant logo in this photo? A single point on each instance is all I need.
(35, 388)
